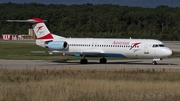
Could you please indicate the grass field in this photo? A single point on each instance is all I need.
(81, 84)
(22, 51)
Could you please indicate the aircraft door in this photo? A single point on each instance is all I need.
(146, 50)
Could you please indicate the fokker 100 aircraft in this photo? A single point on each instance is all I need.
(98, 47)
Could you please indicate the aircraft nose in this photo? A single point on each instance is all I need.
(168, 52)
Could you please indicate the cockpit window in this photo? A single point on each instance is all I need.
(155, 45)
(161, 45)
(158, 45)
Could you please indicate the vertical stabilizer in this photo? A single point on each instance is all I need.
(42, 32)
(40, 29)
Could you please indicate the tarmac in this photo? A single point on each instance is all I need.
(169, 63)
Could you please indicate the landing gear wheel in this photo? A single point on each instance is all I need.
(83, 61)
(103, 60)
(154, 63)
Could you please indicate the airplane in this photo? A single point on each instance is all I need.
(98, 47)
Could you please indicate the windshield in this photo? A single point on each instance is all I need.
(158, 45)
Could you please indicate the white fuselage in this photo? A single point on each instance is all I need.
(115, 48)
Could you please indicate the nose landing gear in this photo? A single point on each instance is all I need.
(154, 63)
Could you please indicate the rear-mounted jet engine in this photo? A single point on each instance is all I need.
(57, 45)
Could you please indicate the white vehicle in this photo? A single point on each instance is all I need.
(98, 47)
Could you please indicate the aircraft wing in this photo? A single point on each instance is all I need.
(89, 52)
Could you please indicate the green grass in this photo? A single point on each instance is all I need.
(176, 55)
(22, 51)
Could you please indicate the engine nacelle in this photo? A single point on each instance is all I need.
(57, 45)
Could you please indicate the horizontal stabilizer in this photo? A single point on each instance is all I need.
(30, 20)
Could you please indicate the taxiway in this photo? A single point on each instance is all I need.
(169, 63)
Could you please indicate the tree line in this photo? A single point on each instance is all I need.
(88, 20)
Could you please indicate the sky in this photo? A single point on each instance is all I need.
(136, 3)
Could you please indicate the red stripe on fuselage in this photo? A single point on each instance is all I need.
(48, 36)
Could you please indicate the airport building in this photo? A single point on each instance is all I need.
(10, 37)
(29, 36)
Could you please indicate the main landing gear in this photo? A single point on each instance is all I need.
(85, 61)
(103, 60)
